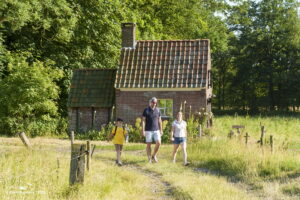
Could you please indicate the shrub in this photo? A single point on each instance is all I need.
(95, 134)
(202, 117)
(192, 127)
(29, 100)
(134, 132)
(166, 125)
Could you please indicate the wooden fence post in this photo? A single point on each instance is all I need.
(231, 133)
(94, 146)
(200, 131)
(246, 137)
(183, 112)
(58, 166)
(238, 127)
(25, 140)
(72, 138)
(88, 160)
(77, 164)
(271, 143)
(262, 135)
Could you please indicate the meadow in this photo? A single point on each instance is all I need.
(221, 168)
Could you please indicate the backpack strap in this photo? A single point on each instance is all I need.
(116, 130)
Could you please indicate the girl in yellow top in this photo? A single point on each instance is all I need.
(119, 133)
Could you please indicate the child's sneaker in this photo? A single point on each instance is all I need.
(187, 163)
(120, 163)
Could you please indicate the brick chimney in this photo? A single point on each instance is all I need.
(128, 35)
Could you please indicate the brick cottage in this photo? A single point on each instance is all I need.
(174, 71)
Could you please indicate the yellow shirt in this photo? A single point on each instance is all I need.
(119, 136)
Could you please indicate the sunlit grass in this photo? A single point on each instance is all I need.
(284, 129)
(198, 185)
(249, 163)
(37, 175)
(185, 183)
(44, 172)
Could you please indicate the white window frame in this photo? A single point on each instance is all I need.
(163, 109)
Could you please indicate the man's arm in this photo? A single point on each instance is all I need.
(160, 126)
(143, 126)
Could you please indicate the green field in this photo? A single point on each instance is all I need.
(221, 168)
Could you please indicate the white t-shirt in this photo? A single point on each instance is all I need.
(179, 128)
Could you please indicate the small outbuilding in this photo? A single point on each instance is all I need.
(91, 99)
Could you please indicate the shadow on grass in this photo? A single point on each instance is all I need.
(127, 147)
(293, 190)
(71, 191)
(179, 194)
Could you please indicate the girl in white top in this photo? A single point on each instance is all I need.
(178, 136)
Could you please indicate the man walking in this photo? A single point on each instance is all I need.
(152, 128)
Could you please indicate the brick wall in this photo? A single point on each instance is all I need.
(85, 118)
(130, 104)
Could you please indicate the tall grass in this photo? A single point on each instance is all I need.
(284, 129)
(249, 163)
(36, 175)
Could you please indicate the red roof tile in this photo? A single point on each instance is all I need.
(164, 64)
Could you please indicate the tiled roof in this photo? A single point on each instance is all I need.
(92, 88)
(164, 64)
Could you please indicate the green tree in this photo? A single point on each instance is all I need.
(29, 95)
(267, 50)
(176, 19)
(72, 34)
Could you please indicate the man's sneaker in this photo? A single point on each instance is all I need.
(186, 164)
(154, 159)
(120, 163)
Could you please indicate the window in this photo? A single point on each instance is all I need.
(166, 107)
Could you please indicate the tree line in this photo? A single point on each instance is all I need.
(254, 44)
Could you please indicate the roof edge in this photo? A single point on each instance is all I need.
(185, 40)
(162, 89)
(96, 69)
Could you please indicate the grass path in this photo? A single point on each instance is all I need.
(179, 182)
(159, 188)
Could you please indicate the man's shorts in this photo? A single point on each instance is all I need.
(179, 140)
(152, 136)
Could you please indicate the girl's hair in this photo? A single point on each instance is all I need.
(119, 120)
